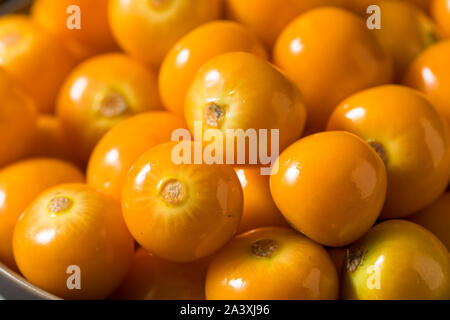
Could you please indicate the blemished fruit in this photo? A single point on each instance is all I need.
(181, 212)
(440, 11)
(35, 58)
(192, 51)
(100, 93)
(410, 137)
(82, 25)
(272, 264)
(315, 51)
(241, 91)
(20, 184)
(148, 29)
(152, 278)
(397, 260)
(122, 146)
(17, 120)
(429, 74)
(330, 186)
(259, 208)
(436, 218)
(73, 230)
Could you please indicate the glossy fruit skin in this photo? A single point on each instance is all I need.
(192, 51)
(414, 139)
(197, 221)
(255, 13)
(260, 98)
(259, 208)
(20, 184)
(29, 53)
(440, 11)
(330, 186)
(50, 140)
(315, 54)
(18, 120)
(429, 74)
(139, 25)
(94, 35)
(122, 146)
(436, 218)
(152, 278)
(86, 104)
(299, 269)
(411, 262)
(90, 234)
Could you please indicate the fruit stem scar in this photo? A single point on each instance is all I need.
(112, 105)
(213, 114)
(173, 192)
(380, 150)
(59, 204)
(354, 259)
(264, 248)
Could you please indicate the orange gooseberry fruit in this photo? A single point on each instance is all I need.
(82, 24)
(397, 260)
(100, 93)
(429, 74)
(152, 278)
(50, 140)
(259, 208)
(256, 15)
(73, 230)
(200, 45)
(122, 146)
(269, 264)
(318, 51)
(440, 11)
(148, 29)
(411, 138)
(17, 120)
(241, 92)
(330, 186)
(436, 218)
(38, 60)
(20, 184)
(178, 211)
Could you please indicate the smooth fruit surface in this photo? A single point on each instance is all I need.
(181, 212)
(122, 146)
(68, 228)
(17, 120)
(330, 186)
(61, 18)
(271, 263)
(397, 260)
(100, 93)
(38, 60)
(411, 138)
(314, 50)
(20, 184)
(255, 13)
(195, 49)
(148, 29)
(430, 74)
(440, 11)
(223, 97)
(436, 218)
(152, 278)
(259, 208)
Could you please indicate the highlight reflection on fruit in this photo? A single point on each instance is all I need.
(397, 260)
(332, 207)
(410, 137)
(181, 212)
(272, 263)
(73, 225)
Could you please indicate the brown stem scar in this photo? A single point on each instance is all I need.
(264, 248)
